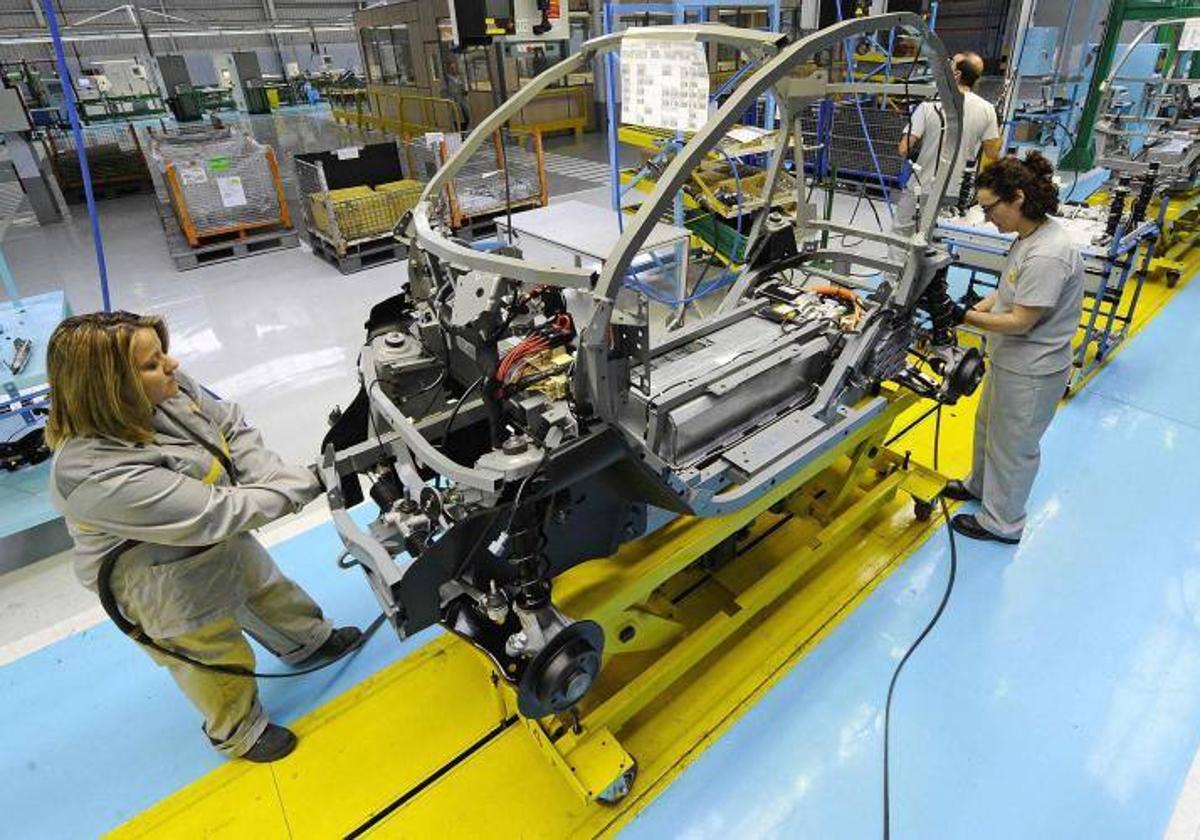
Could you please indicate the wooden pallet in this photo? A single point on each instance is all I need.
(234, 247)
(358, 255)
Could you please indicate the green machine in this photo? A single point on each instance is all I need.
(1172, 12)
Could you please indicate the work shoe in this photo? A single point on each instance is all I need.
(272, 745)
(956, 491)
(339, 641)
(967, 525)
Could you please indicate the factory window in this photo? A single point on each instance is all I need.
(530, 58)
(388, 54)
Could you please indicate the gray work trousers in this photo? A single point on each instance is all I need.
(278, 614)
(1014, 411)
(904, 221)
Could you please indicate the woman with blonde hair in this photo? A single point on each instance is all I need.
(160, 485)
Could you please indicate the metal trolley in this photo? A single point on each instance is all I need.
(220, 183)
(352, 199)
(1116, 267)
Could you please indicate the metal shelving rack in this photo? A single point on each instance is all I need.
(1081, 155)
(678, 11)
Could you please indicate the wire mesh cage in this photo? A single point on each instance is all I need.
(351, 215)
(858, 140)
(114, 156)
(423, 156)
(499, 174)
(219, 182)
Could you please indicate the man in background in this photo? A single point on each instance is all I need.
(980, 140)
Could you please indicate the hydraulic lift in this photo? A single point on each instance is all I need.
(703, 615)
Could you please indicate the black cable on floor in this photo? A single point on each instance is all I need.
(941, 608)
(109, 602)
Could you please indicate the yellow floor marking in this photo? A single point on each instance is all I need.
(362, 750)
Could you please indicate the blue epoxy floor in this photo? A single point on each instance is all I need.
(1059, 697)
(91, 718)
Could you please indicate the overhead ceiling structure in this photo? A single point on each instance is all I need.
(109, 28)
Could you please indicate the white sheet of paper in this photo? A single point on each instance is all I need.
(348, 153)
(747, 133)
(664, 84)
(232, 194)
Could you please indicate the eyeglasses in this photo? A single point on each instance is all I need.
(988, 208)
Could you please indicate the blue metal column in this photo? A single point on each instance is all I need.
(69, 95)
(769, 118)
(610, 107)
(677, 16)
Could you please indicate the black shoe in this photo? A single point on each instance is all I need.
(967, 525)
(958, 492)
(272, 745)
(339, 641)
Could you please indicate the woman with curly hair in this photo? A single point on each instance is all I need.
(1030, 321)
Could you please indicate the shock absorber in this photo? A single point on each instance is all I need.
(562, 657)
(525, 539)
(936, 302)
(1142, 203)
(1116, 206)
(967, 188)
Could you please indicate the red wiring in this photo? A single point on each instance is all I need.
(836, 292)
(558, 330)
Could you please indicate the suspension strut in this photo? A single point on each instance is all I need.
(1116, 207)
(1142, 203)
(565, 654)
(525, 541)
(936, 301)
(967, 188)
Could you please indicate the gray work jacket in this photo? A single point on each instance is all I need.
(174, 496)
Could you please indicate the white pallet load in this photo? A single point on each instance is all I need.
(219, 181)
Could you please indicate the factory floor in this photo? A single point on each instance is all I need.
(1058, 697)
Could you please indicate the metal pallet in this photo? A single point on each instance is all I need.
(359, 255)
(236, 247)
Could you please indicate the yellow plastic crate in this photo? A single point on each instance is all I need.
(402, 195)
(340, 201)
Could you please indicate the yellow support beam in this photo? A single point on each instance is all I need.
(374, 754)
(687, 651)
(376, 758)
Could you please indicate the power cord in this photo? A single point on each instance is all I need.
(941, 608)
(133, 631)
